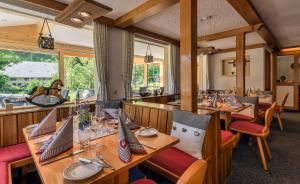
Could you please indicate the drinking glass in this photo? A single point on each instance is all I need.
(84, 137)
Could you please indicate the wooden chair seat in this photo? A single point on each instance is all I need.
(240, 117)
(246, 126)
(173, 160)
(225, 136)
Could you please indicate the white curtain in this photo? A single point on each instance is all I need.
(128, 63)
(205, 71)
(101, 56)
(174, 68)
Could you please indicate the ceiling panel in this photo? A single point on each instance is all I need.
(283, 19)
(224, 17)
(120, 7)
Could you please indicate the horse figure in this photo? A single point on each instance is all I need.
(47, 96)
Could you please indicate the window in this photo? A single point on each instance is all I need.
(20, 72)
(79, 75)
(149, 75)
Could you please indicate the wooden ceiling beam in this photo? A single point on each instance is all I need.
(247, 11)
(229, 33)
(149, 8)
(49, 4)
(58, 7)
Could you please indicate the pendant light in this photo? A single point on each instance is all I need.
(148, 57)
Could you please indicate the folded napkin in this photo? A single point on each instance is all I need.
(232, 101)
(61, 141)
(46, 126)
(111, 113)
(127, 141)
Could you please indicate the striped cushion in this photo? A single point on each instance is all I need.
(3, 172)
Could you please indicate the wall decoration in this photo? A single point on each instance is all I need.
(229, 66)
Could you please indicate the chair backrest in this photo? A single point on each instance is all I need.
(194, 174)
(284, 100)
(268, 117)
(251, 100)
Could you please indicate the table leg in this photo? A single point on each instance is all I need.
(226, 116)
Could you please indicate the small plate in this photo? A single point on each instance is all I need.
(147, 132)
(80, 171)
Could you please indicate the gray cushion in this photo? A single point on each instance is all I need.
(191, 119)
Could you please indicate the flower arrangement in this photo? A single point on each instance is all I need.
(84, 116)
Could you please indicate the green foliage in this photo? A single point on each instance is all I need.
(32, 84)
(137, 76)
(153, 76)
(79, 73)
(8, 57)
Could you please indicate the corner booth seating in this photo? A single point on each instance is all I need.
(173, 162)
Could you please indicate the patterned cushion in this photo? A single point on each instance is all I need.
(143, 181)
(173, 160)
(14, 153)
(240, 117)
(225, 136)
(247, 126)
(3, 172)
(190, 129)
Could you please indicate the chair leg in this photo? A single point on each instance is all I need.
(279, 121)
(262, 154)
(238, 135)
(267, 147)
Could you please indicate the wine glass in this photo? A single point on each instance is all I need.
(84, 136)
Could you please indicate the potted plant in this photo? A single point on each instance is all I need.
(84, 116)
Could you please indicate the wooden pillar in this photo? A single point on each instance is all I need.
(273, 74)
(268, 74)
(188, 54)
(240, 64)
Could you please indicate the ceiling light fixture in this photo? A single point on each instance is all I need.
(76, 20)
(206, 18)
(84, 14)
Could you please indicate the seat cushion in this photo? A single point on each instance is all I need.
(14, 153)
(3, 172)
(143, 181)
(240, 117)
(247, 126)
(278, 109)
(264, 106)
(174, 160)
(225, 136)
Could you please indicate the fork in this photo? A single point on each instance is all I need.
(100, 157)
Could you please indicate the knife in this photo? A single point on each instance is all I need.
(62, 157)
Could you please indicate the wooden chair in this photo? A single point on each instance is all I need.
(194, 174)
(259, 131)
(279, 111)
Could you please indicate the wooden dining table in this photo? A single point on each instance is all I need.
(108, 147)
(225, 113)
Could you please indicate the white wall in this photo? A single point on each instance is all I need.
(116, 43)
(257, 70)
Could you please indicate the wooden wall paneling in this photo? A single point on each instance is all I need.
(240, 64)
(132, 112)
(38, 116)
(188, 54)
(23, 121)
(162, 121)
(153, 120)
(145, 117)
(267, 71)
(62, 113)
(9, 130)
(138, 115)
(170, 122)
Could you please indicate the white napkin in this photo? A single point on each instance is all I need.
(46, 126)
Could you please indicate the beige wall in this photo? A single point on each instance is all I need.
(257, 70)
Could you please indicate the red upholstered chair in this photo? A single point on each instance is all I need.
(248, 114)
(259, 131)
(279, 110)
(9, 156)
(193, 175)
